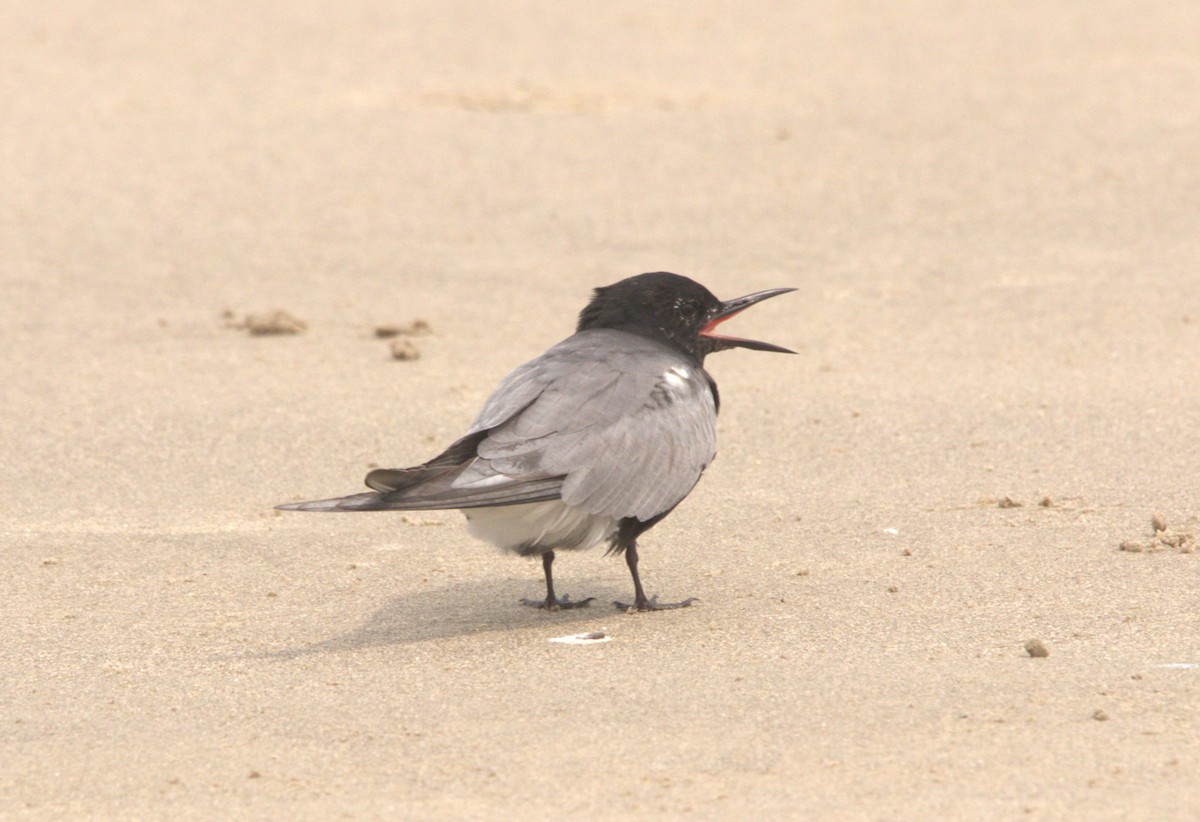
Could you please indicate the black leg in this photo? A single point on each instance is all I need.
(548, 567)
(551, 603)
(640, 601)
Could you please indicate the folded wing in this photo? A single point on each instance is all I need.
(612, 423)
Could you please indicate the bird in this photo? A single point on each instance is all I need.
(596, 440)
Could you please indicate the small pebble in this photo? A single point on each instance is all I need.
(1036, 649)
(1100, 715)
(1009, 502)
(404, 350)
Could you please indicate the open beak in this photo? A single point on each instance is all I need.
(731, 307)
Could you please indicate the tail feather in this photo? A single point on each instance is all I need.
(445, 499)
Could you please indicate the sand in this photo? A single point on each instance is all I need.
(991, 213)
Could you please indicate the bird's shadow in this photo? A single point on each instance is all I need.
(461, 609)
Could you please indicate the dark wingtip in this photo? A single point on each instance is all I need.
(355, 502)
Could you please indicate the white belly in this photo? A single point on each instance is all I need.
(537, 527)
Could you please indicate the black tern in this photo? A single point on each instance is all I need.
(596, 440)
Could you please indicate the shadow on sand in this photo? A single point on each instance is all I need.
(456, 610)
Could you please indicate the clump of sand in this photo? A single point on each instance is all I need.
(266, 324)
(416, 328)
(1164, 539)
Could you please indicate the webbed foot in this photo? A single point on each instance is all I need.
(652, 604)
(551, 603)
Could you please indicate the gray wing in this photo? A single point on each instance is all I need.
(627, 423)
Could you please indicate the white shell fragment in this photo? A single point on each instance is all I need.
(590, 638)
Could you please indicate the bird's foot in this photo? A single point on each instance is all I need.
(652, 604)
(553, 604)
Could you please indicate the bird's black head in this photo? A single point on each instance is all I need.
(673, 309)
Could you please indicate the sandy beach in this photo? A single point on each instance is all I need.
(991, 215)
